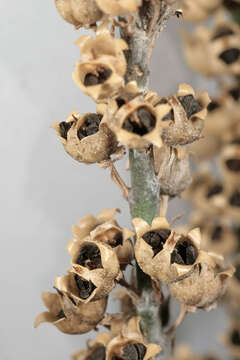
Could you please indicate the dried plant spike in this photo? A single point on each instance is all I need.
(86, 138)
(79, 12)
(116, 7)
(200, 10)
(186, 116)
(216, 51)
(136, 123)
(68, 316)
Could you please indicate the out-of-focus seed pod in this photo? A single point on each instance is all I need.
(172, 167)
(198, 10)
(232, 210)
(69, 316)
(153, 248)
(203, 285)
(218, 236)
(214, 51)
(207, 193)
(131, 344)
(232, 296)
(137, 122)
(183, 352)
(186, 115)
(79, 12)
(86, 138)
(100, 73)
(118, 7)
(232, 339)
(96, 268)
(230, 165)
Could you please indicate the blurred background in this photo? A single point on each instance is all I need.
(43, 190)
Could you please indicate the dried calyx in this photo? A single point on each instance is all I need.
(140, 122)
(85, 287)
(184, 253)
(90, 257)
(90, 126)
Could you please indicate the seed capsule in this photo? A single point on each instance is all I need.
(118, 7)
(197, 11)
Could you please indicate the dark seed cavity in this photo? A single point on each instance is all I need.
(214, 190)
(237, 272)
(98, 354)
(61, 315)
(213, 105)
(134, 351)
(235, 93)
(222, 31)
(102, 76)
(230, 56)
(236, 141)
(235, 337)
(90, 126)
(217, 233)
(117, 240)
(156, 239)
(145, 124)
(90, 257)
(184, 253)
(64, 127)
(120, 102)
(85, 288)
(235, 199)
(233, 165)
(190, 105)
(168, 116)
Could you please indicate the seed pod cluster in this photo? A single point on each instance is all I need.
(86, 138)
(79, 13)
(214, 51)
(100, 73)
(200, 10)
(185, 115)
(70, 316)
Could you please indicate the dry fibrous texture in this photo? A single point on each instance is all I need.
(199, 10)
(86, 138)
(119, 7)
(186, 114)
(79, 13)
(216, 51)
(172, 166)
(70, 316)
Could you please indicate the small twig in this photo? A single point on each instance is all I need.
(179, 320)
(163, 205)
(178, 217)
(131, 290)
(158, 294)
(115, 176)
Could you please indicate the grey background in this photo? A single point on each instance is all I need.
(43, 191)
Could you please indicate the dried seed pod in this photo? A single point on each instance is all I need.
(214, 51)
(79, 12)
(218, 236)
(136, 123)
(153, 248)
(131, 344)
(186, 113)
(202, 286)
(101, 72)
(230, 165)
(105, 229)
(232, 296)
(172, 169)
(118, 7)
(200, 10)
(183, 352)
(207, 193)
(96, 269)
(68, 316)
(86, 138)
(232, 209)
(232, 339)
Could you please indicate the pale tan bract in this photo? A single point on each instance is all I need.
(79, 318)
(91, 149)
(79, 13)
(118, 7)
